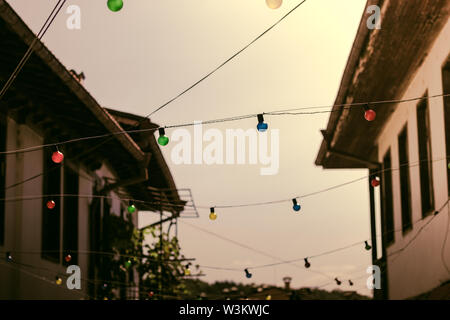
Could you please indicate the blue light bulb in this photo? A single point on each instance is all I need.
(296, 206)
(262, 127)
(247, 274)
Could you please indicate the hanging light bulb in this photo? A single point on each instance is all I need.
(307, 264)
(274, 4)
(51, 204)
(367, 247)
(269, 297)
(163, 140)
(58, 281)
(262, 127)
(296, 206)
(212, 214)
(369, 114)
(57, 156)
(128, 263)
(131, 207)
(350, 282)
(115, 5)
(9, 257)
(68, 258)
(338, 282)
(248, 275)
(151, 294)
(448, 165)
(375, 182)
(187, 270)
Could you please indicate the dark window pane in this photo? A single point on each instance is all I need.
(70, 231)
(2, 180)
(388, 204)
(446, 87)
(425, 158)
(405, 187)
(51, 229)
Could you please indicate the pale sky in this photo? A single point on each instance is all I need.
(140, 57)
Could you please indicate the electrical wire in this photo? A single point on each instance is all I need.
(90, 196)
(213, 121)
(263, 203)
(225, 62)
(29, 51)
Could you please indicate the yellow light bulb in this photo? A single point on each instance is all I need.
(58, 281)
(274, 4)
(187, 272)
(212, 216)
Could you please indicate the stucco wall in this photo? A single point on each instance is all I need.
(24, 219)
(419, 268)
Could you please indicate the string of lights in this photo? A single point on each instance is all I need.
(213, 121)
(68, 257)
(306, 259)
(105, 283)
(372, 175)
(29, 51)
(131, 208)
(247, 272)
(213, 214)
(307, 263)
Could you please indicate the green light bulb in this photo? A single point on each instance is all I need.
(128, 263)
(115, 5)
(163, 140)
(131, 208)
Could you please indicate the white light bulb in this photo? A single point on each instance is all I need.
(274, 4)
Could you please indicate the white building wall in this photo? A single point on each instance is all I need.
(419, 268)
(23, 222)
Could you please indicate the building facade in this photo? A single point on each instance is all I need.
(47, 104)
(407, 146)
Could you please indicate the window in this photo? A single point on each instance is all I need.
(2, 180)
(446, 88)
(405, 188)
(70, 217)
(425, 157)
(388, 206)
(51, 230)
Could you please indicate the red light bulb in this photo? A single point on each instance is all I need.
(370, 115)
(375, 182)
(51, 204)
(57, 157)
(68, 258)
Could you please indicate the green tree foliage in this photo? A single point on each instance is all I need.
(137, 269)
